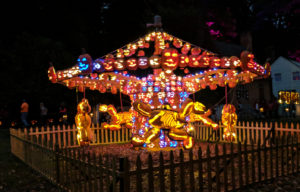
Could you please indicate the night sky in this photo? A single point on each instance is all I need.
(35, 33)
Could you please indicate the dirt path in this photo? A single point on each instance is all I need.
(15, 175)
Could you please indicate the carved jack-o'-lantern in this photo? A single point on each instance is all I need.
(131, 64)
(214, 62)
(247, 60)
(170, 59)
(119, 64)
(195, 51)
(52, 75)
(183, 60)
(204, 61)
(225, 62)
(177, 42)
(85, 63)
(155, 61)
(235, 62)
(143, 62)
(108, 63)
(194, 61)
(185, 49)
(98, 65)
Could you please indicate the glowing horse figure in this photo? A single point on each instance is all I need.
(83, 123)
(171, 120)
(117, 119)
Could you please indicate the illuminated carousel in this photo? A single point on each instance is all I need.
(158, 72)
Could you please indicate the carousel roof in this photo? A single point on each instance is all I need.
(162, 55)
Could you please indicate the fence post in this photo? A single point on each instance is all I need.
(57, 163)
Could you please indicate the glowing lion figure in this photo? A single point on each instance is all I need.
(118, 119)
(229, 119)
(83, 123)
(171, 120)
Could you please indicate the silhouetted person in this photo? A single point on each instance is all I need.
(24, 113)
(43, 113)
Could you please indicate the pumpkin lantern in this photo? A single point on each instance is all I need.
(131, 64)
(85, 63)
(204, 61)
(98, 65)
(194, 61)
(177, 43)
(183, 61)
(155, 61)
(52, 75)
(225, 62)
(247, 60)
(186, 48)
(108, 63)
(119, 64)
(214, 62)
(170, 59)
(143, 62)
(195, 51)
(235, 62)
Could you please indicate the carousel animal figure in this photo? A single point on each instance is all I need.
(229, 120)
(170, 120)
(117, 119)
(83, 123)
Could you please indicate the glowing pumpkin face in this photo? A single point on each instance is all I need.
(225, 62)
(235, 62)
(131, 64)
(119, 64)
(247, 60)
(204, 61)
(183, 60)
(214, 62)
(85, 63)
(108, 64)
(143, 62)
(98, 65)
(194, 61)
(155, 61)
(170, 59)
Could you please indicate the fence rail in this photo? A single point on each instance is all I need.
(53, 152)
(219, 167)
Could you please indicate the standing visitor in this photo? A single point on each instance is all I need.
(24, 113)
(43, 113)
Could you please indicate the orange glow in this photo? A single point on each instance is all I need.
(229, 120)
(83, 123)
(117, 119)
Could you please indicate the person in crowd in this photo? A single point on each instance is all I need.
(43, 113)
(24, 112)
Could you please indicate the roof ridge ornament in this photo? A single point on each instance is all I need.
(157, 23)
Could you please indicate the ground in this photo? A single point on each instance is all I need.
(16, 176)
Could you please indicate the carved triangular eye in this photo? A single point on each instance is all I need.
(174, 54)
(167, 54)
